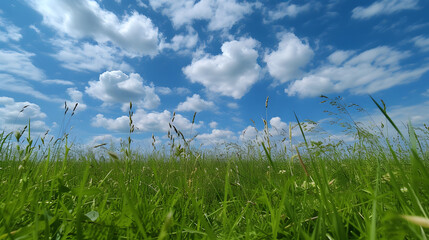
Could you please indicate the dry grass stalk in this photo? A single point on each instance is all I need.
(301, 162)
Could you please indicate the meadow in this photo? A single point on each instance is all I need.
(376, 187)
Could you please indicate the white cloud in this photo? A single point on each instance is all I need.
(426, 94)
(176, 90)
(286, 9)
(144, 122)
(217, 136)
(34, 28)
(368, 72)
(287, 61)
(339, 56)
(12, 118)
(119, 124)
(182, 91)
(232, 73)
(75, 94)
(195, 104)
(134, 33)
(221, 14)
(118, 87)
(277, 130)
(182, 42)
(19, 64)
(250, 133)
(140, 3)
(163, 90)
(57, 81)
(106, 138)
(11, 84)
(76, 98)
(9, 31)
(233, 105)
(89, 57)
(417, 113)
(421, 42)
(383, 7)
(213, 124)
(277, 126)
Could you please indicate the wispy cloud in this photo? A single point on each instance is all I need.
(220, 14)
(286, 9)
(384, 7)
(421, 42)
(83, 56)
(9, 31)
(9, 83)
(367, 72)
(18, 63)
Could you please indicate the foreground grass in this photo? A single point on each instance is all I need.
(347, 196)
(372, 189)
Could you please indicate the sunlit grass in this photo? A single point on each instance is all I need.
(373, 188)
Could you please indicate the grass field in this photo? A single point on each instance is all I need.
(374, 188)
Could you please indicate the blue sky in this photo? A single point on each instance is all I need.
(220, 58)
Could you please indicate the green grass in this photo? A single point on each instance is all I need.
(372, 189)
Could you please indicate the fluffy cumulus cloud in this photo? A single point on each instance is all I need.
(277, 126)
(383, 7)
(118, 87)
(144, 122)
(134, 33)
(250, 133)
(217, 136)
(221, 14)
(195, 104)
(231, 73)
(88, 57)
(286, 9)
(15, 115)
(9, 31)
(291, 56)
(367, 72)
(18, 63)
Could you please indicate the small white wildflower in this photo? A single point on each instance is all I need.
(404, 189)
(282, 171)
